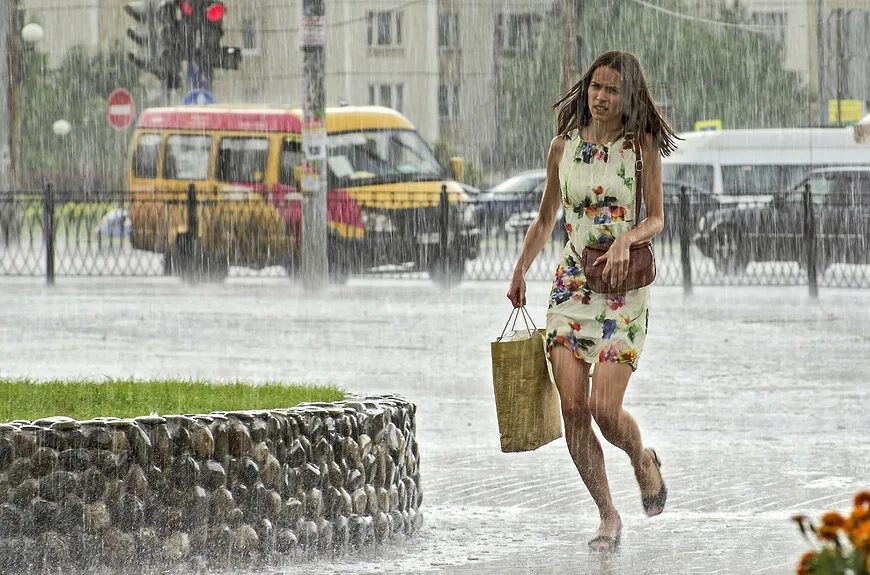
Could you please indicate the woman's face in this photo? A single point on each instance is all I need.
(605, 98)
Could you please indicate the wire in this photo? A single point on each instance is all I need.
(750, 27)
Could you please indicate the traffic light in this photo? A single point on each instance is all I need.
(168, 49)
(212, 32)
(157, 37)
(141, 33)
(202, 28)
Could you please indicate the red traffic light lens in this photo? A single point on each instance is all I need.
(186, 8)
(215, 12)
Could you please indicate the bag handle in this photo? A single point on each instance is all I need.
(638, 175)
(515, 315)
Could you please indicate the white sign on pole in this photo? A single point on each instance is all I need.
(314, 144)
(313, 31)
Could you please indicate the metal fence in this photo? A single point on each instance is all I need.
(55, 233)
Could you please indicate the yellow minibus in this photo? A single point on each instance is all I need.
(237, 166)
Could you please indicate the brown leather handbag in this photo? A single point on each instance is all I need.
(641, 268)
(642, 260)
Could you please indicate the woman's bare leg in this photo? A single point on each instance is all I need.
(572, 380)
(609, 382)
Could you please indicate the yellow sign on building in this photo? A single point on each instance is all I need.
(708, 125)
(850, 111)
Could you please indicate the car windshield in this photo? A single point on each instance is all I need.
(752, 179)
(380, 156)
(700, 175)
(520, 183)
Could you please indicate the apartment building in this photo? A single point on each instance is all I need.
(844, 25)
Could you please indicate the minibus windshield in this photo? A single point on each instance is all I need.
(380, 156)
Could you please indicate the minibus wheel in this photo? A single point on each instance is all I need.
(194, 264)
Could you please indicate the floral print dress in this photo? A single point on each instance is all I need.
(597, 185)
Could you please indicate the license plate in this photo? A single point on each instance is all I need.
(429, 238)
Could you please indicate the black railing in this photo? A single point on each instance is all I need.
(447, 236)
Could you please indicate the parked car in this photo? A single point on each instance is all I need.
(775, 231)
(518, 223)
(701, 202)
(519, 193)
(114, 224)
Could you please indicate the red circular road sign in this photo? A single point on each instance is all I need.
(120, 109)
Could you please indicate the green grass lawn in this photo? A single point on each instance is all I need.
(85, 399)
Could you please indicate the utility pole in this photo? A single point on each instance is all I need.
(820, 60)
(314, 265)
(5, 97)
(840, 56)
(570, 11)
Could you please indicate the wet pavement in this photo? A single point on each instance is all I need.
(755, 399)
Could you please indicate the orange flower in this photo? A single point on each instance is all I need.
(860, 537)
(827, 532)
(859, 515)
(833, 519)
(574, 325)
(599, 190)
(862, 499)
(804, 563)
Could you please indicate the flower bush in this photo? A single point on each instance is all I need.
(841, 545)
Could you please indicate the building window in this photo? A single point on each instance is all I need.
(775, 22)
(517, 33)
(389, 95)
(448, 31)
(250, 34)
(384, 28)
(399, 92)
(448, 101)
(386, 97)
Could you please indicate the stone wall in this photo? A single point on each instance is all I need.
(207, 489)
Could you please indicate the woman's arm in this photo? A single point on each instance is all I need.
(542, 226)
(654, 222)
(651, 226)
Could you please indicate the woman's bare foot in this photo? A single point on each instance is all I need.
(608, 536)
(653, 492)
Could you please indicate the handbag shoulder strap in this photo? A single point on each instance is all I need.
(638, 175)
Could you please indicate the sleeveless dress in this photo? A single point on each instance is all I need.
(597, 185)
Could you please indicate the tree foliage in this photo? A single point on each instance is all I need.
(92, 155)
(695, 70)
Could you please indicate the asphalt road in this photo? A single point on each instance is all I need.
(753, 397)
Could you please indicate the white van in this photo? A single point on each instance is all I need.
(753, 164)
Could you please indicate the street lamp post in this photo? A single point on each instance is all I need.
(10, 129)
(5, 102)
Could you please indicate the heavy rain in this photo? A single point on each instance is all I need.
(336, 196)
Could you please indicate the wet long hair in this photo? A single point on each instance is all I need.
(640, 115)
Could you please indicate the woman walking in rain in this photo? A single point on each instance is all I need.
(605, 123)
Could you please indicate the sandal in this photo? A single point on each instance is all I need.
(606, 543)
(655, 504)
